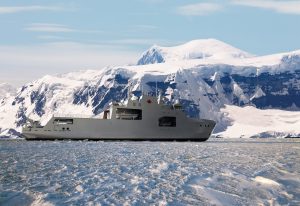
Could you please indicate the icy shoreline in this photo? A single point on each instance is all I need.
(220, 172)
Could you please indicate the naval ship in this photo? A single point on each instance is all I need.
(144, 118)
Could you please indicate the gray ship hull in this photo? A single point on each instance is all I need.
(141, 120)
(98, 129)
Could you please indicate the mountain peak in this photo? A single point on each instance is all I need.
(195, 49)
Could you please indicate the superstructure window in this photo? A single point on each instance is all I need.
(167, 122)
(63, 121)
(128, 114)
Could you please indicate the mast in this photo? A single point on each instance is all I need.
(156, 88)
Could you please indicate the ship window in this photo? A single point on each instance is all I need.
(63, 121)
(106, 114)
(129, 114)
(177, 107)
(167, 122)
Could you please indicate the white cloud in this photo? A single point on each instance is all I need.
(21, 64)
(145, 27)
(45, 27)
(131, 41)
(55, 28)
(288, 7)
(199, 9)
(138, 42)
(50, 37)
(16, 9)
(152, 1)
(140, 28)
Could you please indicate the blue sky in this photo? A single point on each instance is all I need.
(48, 37)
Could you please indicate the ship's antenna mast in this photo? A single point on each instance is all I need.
(128, 91)
(156, 88)
(142, 90)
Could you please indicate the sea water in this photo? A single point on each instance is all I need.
(216, 172)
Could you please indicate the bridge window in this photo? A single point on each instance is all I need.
(129, 114)
(167, 122)
(63, 121)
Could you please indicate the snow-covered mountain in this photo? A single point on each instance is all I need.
(204, 75)
(6, 90)
(196, 49)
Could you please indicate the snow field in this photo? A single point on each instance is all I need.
(252, 122)
(217, 172)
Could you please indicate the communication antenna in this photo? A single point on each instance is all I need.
(156, 88)
(128, 90)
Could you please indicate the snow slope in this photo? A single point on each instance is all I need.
(252, 122)
(204, 75)
(196, 49)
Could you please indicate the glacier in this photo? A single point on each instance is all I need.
(208, 77)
